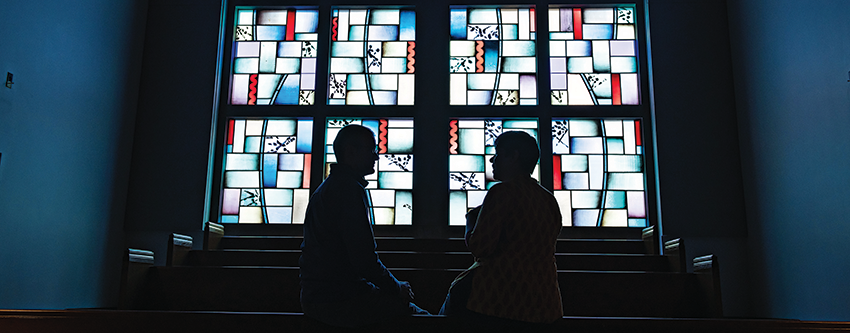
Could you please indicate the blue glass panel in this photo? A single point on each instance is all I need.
(289, 162)
(519, 48)
(458, 23)
(457, 208)
(246, 65)
(270, 170)
(585, 217)
(289, 92)
(584, 128)
(598, 31)
(285, 127)
(395, 180)
(586, 199)
(289, 179)
(252, 144)
(384, 97)
(279, 214)
(306, 21)
(383, 32)
(574, 163)
(383, 81)
(586, 145)
(347, 49)
(407, 22)
(615, 199)
(575, 181)
(400, 140)
(305, 136)
(266, 85)
(243, 162)
(509, 32)
(623, 65)
(278, 197)
(479, 97)
(271, 32)
(466, 163)
(625, 181)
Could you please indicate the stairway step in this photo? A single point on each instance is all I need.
(620, 246)
(208, 322)
(251, 229)
(429, 260)
(585, 293)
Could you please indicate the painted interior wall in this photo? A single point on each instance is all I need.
(702, 198)
(66, 128)
(791, 77)
(170, 153)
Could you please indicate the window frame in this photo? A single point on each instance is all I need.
(431, 110)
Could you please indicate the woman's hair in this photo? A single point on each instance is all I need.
(522, 143)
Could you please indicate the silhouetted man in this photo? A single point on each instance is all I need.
(343, 283)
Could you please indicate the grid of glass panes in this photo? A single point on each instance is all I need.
(274, 56)
(372, 56)
(266, 170)
(593, 55)
(492, 56)
(598, 172)
(391, 185)
(471, 145)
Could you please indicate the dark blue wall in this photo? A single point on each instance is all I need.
(66, 128)
(791, 76)
(768, 199)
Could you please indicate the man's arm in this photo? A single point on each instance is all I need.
(356, 230)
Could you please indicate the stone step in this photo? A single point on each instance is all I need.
(226, 322)
(619, 246)
(276, 289)
(429, 260)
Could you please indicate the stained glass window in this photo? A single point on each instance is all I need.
(492, 56)
(372, 56)
(274, 56)
(471, 145)
(593, 55)
(391, 185)
(598, 170)
(266, 170)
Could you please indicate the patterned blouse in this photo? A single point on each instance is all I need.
(514, 246)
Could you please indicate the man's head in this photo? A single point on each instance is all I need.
(516, 155)
(354, 147)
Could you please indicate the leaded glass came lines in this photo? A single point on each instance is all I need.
(391, 185)
(598, 172)
(471, 145)
(266, 170)
(372, 56)
(492, 56)
(593, 56)
(274, 56)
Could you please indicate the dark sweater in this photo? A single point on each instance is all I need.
(338, 259)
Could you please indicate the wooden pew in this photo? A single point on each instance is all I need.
(213, 232)
(135, 275)
(674, 250)
(179, 247)
(707, 270)
(650, 240)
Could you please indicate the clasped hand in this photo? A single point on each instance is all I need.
(404, 291)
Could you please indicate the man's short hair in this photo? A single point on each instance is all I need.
(524, 144)
(350, 137)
